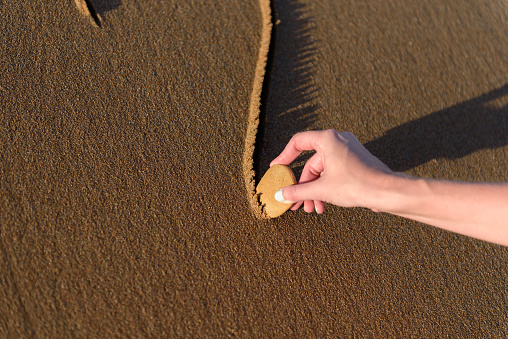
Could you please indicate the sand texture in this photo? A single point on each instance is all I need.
(128, 138)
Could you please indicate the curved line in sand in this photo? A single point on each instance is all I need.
(87, 9)
(254, 110)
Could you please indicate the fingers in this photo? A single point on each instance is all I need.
(296, 206)
(304, 141)
(306, 192)
(297, 193)
(311, 171)
(319, 206)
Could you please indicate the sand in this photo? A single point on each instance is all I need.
(123, 200)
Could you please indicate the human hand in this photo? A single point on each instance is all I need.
(341, 172)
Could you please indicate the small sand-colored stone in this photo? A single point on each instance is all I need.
(277, 177)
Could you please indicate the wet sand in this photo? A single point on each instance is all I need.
(123, 201)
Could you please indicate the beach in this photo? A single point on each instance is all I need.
(133, 134)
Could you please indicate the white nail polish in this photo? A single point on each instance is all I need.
(279, 197)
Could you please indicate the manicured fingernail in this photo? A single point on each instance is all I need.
(279, 197)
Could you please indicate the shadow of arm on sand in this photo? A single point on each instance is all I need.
(451, 133)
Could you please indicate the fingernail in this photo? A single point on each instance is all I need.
(315, 209)
(280, 198)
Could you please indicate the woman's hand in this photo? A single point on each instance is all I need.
(344, 173)
(341, 172)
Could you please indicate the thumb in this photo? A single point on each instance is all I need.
(299, 192)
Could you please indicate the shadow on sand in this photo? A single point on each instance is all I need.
(451, 133)
(289, 98)
(103, 6)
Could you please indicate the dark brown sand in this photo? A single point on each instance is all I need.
(123, 208)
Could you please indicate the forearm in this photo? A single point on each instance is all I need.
(478, 210)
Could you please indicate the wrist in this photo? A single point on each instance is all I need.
(396, 193)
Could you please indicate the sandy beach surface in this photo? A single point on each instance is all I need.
(123, 201)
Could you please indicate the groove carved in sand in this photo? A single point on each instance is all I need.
(87, 9)
(254, 109)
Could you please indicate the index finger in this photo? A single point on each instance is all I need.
(304, 141)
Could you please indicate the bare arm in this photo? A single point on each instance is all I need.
(344, 173)
(479, 210)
